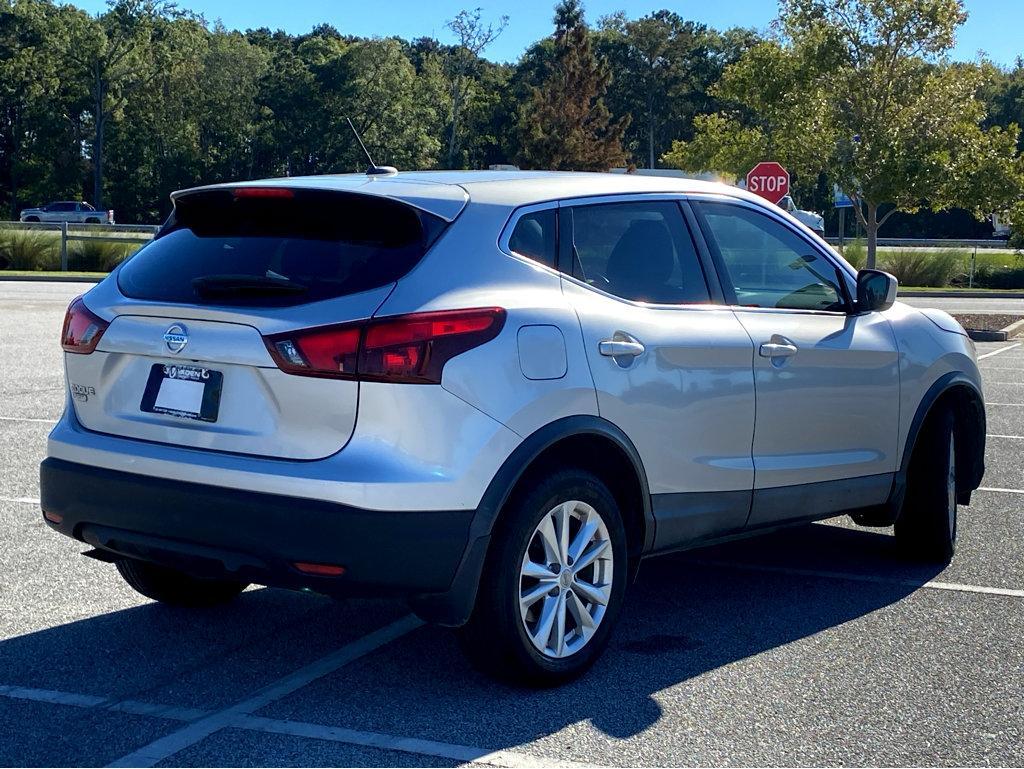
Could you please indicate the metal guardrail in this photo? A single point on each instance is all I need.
(75, 231)
(929, 242)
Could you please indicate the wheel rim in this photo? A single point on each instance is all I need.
(951, 489)
(565, 581)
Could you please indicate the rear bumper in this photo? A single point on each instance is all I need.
(257, 537)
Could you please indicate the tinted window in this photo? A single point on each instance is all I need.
(639, 251)
(535, 236)
(219, 249)
(61, 207)
(768, 264)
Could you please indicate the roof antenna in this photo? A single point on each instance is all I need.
(374, 169)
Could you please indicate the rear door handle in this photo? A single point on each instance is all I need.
(778, 349)
(621, 345)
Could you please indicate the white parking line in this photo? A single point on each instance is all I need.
(29, 419)
(1007, 437)
(461, 753)
(955, 587)
(990, 403)
(1002, 491)
(1000, 350)
(21, 500)
(168, 745)
(445, 750)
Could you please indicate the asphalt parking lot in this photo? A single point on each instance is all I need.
(814, 646)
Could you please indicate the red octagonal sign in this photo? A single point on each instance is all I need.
(769, 180)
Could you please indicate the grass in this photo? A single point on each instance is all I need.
(943, 267)
(39, 251)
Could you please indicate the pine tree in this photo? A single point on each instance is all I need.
(566, 125)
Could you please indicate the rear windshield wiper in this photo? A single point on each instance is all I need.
(249, 285)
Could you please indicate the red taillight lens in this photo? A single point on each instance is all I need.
(263, 192)
(414, 348)
(331, 351)
(404, 348)
(82, 329)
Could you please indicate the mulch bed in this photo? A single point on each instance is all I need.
(985, 321)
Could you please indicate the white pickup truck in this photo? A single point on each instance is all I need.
(68, 211)
(812, 220)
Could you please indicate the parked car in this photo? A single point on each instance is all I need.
(68, 211)
(811, 220)
(493, 394)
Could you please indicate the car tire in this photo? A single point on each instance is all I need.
(92, 220)
(514, 617)
(176, 588)
(926, 528)
(31, 218)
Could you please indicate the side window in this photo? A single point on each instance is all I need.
(639, 251)
(768, 264)
(61, 207)
(535, 236)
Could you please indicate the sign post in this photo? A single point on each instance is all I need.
(843, 202)
(769, 180)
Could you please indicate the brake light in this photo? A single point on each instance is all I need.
(82, 328)
(402, 348)
(263, 192)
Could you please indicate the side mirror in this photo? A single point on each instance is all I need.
(876, 290)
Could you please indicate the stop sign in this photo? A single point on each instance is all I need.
(769, 180)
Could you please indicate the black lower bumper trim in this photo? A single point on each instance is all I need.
(255, 537)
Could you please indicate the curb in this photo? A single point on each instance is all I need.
(988, 336)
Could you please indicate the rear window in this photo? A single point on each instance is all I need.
(278, 247)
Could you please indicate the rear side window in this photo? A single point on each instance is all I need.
(639, 251)
(535, 236)
(278, 247)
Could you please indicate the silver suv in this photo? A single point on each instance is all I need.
(493, 394)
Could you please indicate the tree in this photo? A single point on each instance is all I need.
(565, 124)
(119, 54)
(862, 92)
(462, 62)
(663, 67)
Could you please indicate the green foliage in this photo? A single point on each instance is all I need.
(860, 91)
(98, 256)
(566, 124)
(923, 267)
(29, 249)
(856, 252)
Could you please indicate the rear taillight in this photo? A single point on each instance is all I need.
(402, 348)
(82, 329)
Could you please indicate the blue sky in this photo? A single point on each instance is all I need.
(994, 26)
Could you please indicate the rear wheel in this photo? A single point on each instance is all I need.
(553, 584)
(92, 220)
(31, 218)
(174, 587)
(927, 526)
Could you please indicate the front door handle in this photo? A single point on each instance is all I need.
(779, 347)
(621, 345)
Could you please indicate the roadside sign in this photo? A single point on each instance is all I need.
(841, 198)
(769, 180)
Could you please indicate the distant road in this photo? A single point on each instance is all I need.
(967, 304)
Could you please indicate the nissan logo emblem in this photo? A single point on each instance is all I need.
(176, 337)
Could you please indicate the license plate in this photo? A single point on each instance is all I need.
(189, 392)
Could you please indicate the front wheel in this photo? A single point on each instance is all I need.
(174, 587)
(553, 584)
(927, 526)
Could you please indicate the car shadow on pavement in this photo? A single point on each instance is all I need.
(687, 615)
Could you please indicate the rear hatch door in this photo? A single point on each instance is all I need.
(184, 361)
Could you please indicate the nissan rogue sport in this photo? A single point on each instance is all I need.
(491, 394)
